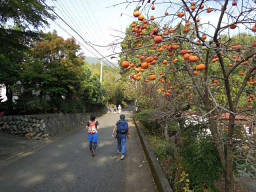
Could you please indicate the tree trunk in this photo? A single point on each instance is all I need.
(166, 133)
(226, 157)
(229, 179)
(217, 141)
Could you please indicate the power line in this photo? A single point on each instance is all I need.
(68, 15)
(88, 23)
(78, 18)
(86, 20)
(101, 64)
(89, 16)
(86, 42)
(74, 38)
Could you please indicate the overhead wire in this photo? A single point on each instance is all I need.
(67, 15)
(94, 24)
(81, 43)
(94, 21)
(89, 25)
(85, 20)
(94, 18)
(82, 18)
(82, 21)
(75, 31)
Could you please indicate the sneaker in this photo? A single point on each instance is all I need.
(93, 152)
(122, 157)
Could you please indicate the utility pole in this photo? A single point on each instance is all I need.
(101, 63)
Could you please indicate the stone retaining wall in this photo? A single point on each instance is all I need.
(42, 125)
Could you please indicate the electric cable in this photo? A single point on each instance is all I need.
(86, 42)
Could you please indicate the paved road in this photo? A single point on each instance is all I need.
(66, 165)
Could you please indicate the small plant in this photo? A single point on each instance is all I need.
(183, 183)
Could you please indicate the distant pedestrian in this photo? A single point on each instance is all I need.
(119, 108)
(92, 128)
(115, 109)
(122, 132)
(109, 108)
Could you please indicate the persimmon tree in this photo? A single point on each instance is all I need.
(200, 62)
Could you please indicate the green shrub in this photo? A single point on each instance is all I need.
(201, 160)
(145, 117)
(159, 145)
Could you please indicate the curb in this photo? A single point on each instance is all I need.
(157, 172)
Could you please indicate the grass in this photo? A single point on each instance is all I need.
(160, 148)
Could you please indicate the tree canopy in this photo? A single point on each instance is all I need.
(52, 76)
(24, 13)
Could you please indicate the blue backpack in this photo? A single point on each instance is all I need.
(122, 127)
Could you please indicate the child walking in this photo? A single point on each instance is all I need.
(92, 128)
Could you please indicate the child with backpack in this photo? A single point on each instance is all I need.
(92, 128)
(122, 132)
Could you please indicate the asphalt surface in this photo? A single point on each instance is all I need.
(66, 165)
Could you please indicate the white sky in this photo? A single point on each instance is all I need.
(101, 23)
(97, 21)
